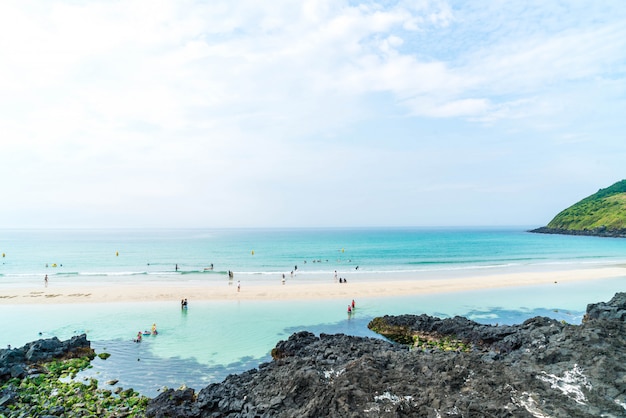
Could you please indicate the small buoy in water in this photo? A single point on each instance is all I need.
(252, 252)
(117, 253)
(3, 254)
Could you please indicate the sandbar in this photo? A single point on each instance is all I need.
(293, 289)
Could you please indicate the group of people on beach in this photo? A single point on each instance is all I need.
(341, 279)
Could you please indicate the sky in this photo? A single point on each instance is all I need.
(307, 113)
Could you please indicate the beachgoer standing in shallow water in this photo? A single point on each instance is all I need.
(238, 285)
(45, 280)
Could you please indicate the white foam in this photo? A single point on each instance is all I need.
(622, 404)
(571, 384)
(394, 399)
(328, 374)
(527, 401)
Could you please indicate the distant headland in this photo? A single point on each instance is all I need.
(602, 214)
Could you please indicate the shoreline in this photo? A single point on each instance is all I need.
(293, 289)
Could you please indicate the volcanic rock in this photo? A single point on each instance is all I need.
(541, 368)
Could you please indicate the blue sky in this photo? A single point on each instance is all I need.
(307, 113)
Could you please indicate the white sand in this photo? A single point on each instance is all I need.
(357, 287)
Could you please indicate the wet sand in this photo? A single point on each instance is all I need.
(293, 289)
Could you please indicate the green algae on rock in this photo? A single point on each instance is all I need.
(46, 393)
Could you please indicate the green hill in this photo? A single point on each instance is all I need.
(603, 214)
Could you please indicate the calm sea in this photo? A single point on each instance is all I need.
(83, 255)
(210, 340)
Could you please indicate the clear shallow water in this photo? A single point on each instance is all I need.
(213, 339)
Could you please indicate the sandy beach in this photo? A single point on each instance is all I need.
(293, 289)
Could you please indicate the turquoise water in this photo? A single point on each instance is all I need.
(85, 255)
(212, 339)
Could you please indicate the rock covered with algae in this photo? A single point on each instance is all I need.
(38, 380)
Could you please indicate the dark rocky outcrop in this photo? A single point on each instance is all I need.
(613, 310)
(602, 214)
(19, 362)
(594, 232)
(541, 368)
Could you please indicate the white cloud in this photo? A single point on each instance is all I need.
(132, 105)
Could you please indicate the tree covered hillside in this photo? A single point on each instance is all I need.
(602, 213)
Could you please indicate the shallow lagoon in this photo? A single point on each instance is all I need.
(210, 340)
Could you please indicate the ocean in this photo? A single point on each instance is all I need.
(211, 339)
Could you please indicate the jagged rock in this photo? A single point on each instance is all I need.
(615, 309)
(176, 399)
(539, 368)
(15, 362)
(293, 345)
(56, 411)
(594, 232)
(8, 396)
